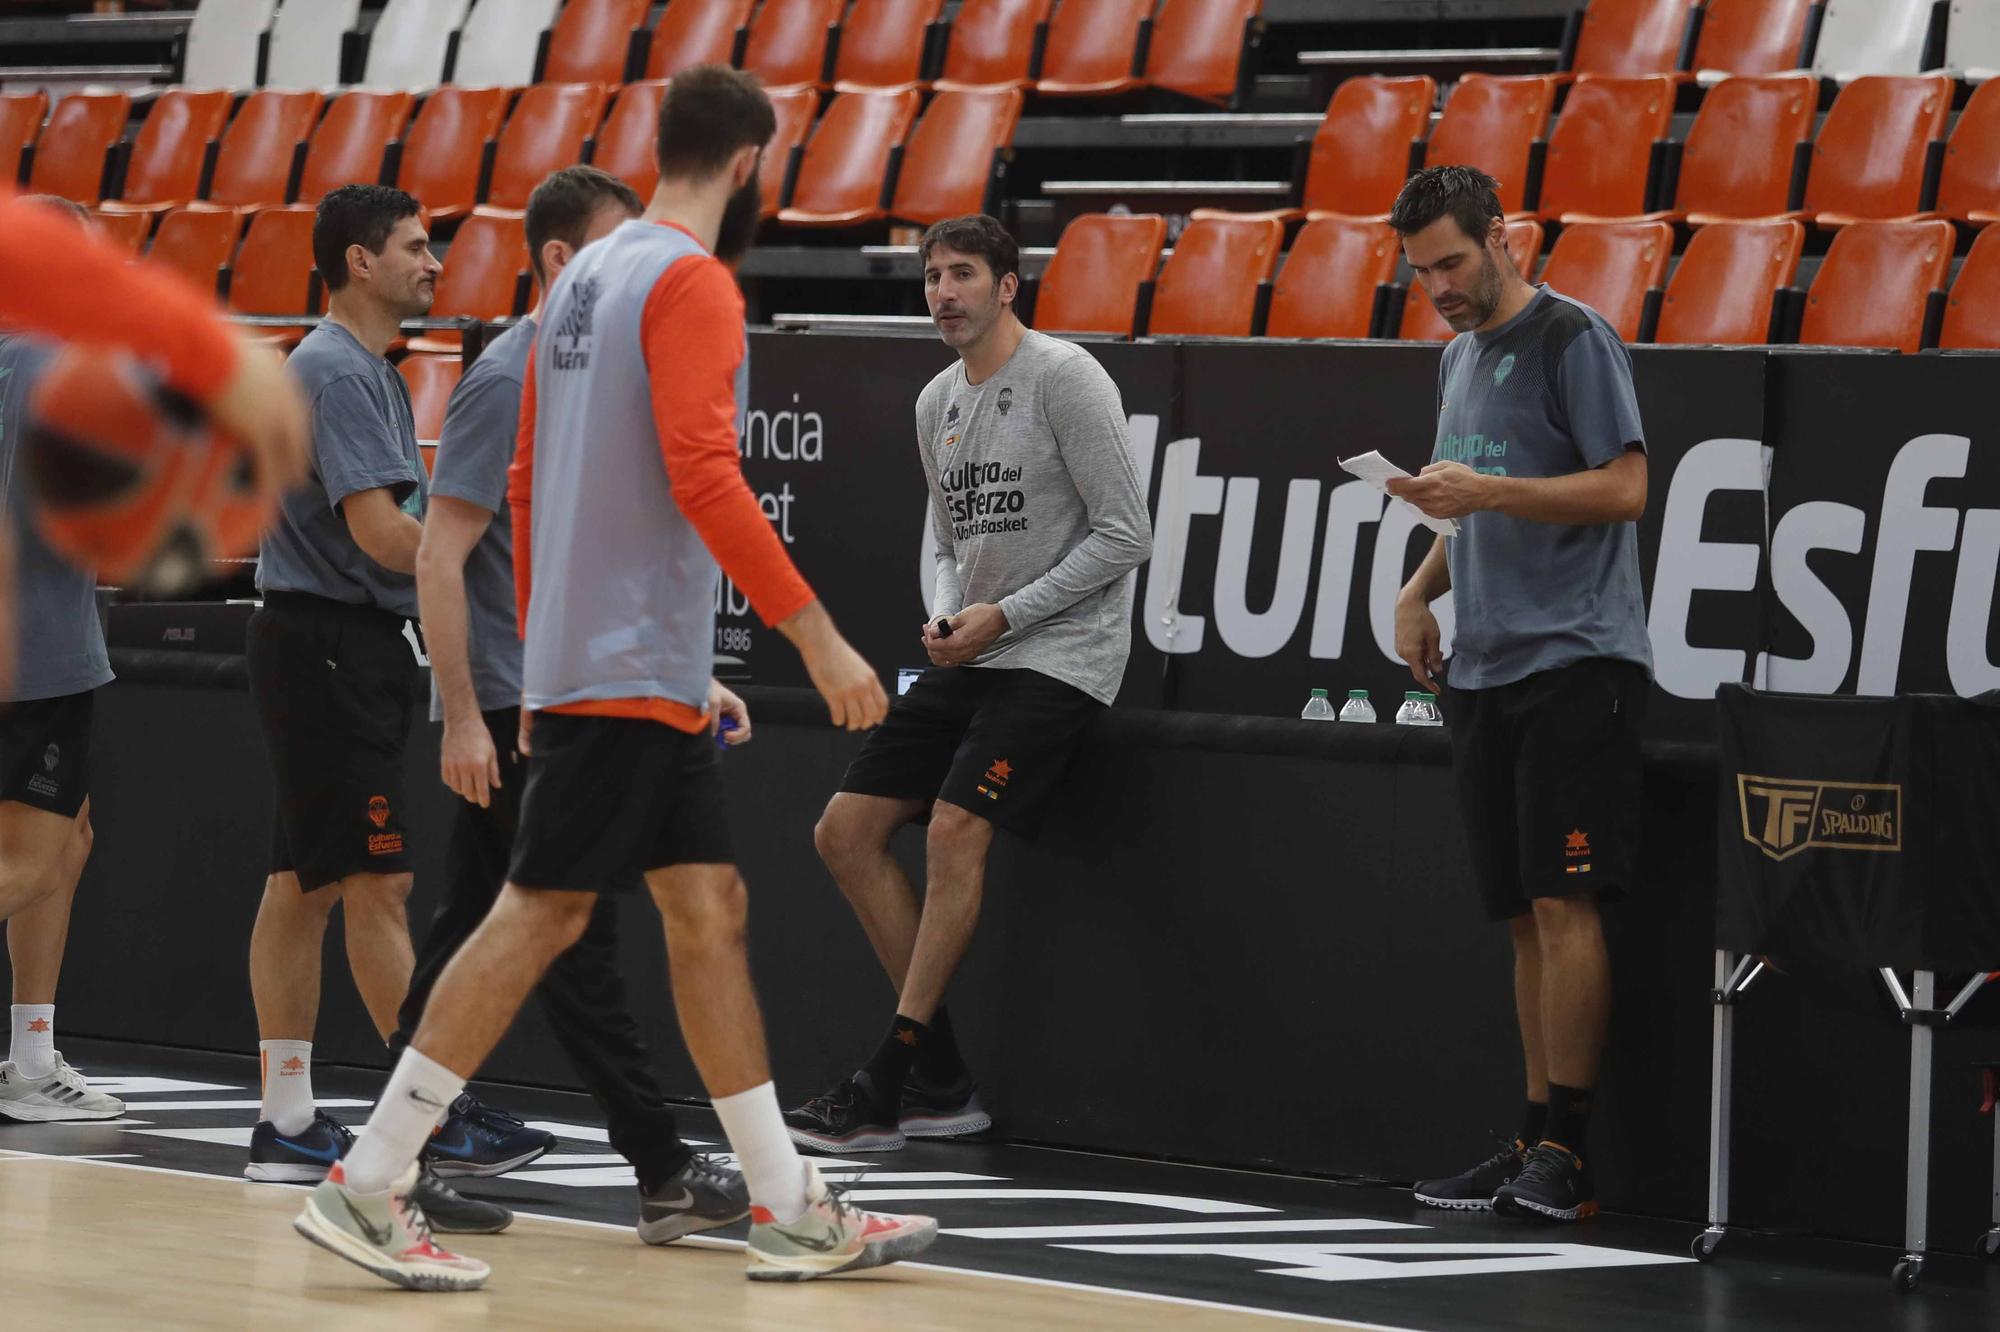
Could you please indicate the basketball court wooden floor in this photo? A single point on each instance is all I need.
(145, 1222)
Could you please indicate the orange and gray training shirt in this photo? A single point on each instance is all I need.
(627, 488)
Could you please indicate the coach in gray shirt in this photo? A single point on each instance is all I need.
(1038, 515)
(1541, 458)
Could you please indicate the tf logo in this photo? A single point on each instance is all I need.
(378, 811)
(1782, 816)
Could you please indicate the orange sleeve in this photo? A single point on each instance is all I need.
(520, 494)
(693, 342)
(58, 281)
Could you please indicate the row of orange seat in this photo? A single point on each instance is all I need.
(1751, 147)
(1877, 286)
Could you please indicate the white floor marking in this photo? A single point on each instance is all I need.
(620, 1177)
(153, 1086)
(325, 1103)
(1367, 1262)
(1136, 1229)
(224, 1137)
(592, 1133)
(1169, 1200)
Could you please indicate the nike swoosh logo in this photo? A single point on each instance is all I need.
(377, 1235)
(680, 1204)
(327, 1154)
(420, 1098)
(826, 1245)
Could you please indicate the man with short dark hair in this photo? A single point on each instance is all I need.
(1038, 515)
(465, 581)
(332, 676)
(628, 502)
(1541, 457)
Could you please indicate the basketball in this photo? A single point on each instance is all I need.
(129, 478)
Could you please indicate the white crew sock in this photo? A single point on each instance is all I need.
(34, 1051)
(288, 1085)
(771, 1164)
(418, 1092)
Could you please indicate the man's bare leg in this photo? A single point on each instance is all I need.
(852, 838)
(378, 943)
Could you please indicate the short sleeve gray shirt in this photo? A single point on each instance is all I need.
(363, 438)
(1548, 393)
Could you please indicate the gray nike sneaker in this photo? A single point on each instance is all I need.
(386, 1233)
(703, 1195)
(452, 1213)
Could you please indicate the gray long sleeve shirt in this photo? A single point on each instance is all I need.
(1037, 507)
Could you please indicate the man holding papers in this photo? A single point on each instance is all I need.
(1541, 459)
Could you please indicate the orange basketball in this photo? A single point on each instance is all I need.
(131, 480)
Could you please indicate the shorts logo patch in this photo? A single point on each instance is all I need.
(1575, 846)
(999, 774)
(50, 757)
(378, 811)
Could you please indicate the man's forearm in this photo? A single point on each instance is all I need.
(1601, 495)
(441, 594)
(1432, 578)
(392, 544)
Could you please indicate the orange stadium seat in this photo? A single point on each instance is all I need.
(1328, 284)
(127, 229)
(1632, 37)
(442, 157)
(21, 116)
(274, 269)
(1969, 190)
(172, 148)
(1740, 154)
(546, 133)
(1092, 282)
(1362, 150)
(1873, 288)
(948, 164)
(352, 143)
(1723, 289)
(847, 161)
(625, 144)
(788, 41)
(430, 377)
(882, 43)
(1972, 315)
(1869, 160)
(1421, 321)
(993, 43)
(1610, 266)
(591, 39)
(1492, 124)
(254, 169)
(1751, 37)
(483, 273)
(197, 245)
(1208, 287)
(796, 108)
(1601, 152)
(70, 159)
(697, 32)
(1091, 48)
(1198, 47)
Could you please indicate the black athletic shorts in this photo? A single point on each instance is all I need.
(45, 752)
(992, 741)
(336, 691)
(609, 798)
(1551, 784)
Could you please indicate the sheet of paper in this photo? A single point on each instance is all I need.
(1378, 471)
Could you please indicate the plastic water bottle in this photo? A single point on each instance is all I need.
(1357, 708)
(1317, 708)
(1419, 709)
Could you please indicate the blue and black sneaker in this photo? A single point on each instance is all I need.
(476, 1139)
(303, 1158)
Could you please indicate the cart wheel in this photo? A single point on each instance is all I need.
(1705, 1245)
(1904, 1278)
(1987, 1245)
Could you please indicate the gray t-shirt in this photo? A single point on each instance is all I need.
(1548, 393)
(363, 438)
(474, 451)
(61, 639)
(1036, 506)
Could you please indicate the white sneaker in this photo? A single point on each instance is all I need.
(833, 1236)
(386, 1233)
(61, 1094)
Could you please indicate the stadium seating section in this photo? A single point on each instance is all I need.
(1701, 171)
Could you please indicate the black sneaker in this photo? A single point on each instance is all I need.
(451, 1212)
(702, 1195)
(845, 1119)
(1473, 1190)
(477, 1139)
(1555, 1183)
(934, 1110)
(303, 1158)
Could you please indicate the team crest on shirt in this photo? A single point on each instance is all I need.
(573, 335)
(951, 417)
(1504, 369)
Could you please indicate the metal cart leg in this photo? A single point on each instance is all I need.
(1916, 1199)
(1721, 1074)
